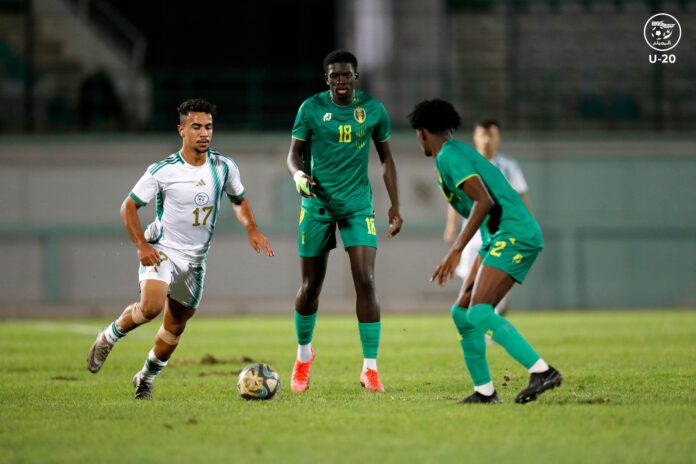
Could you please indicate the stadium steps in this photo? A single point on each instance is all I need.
(68, 49)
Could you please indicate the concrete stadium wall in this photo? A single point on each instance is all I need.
(618, 217)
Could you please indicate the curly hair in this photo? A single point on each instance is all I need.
(435, 115)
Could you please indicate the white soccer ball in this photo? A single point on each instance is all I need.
(258, 382)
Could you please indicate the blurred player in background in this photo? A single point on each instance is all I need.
(478, 191)
(335, 128)
(486, 140)
(188, 188)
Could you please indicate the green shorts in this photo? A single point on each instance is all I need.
(512, 256)
(317, 232)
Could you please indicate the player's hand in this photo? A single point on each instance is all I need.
(450, 233)
(395, 221)
(445, 270)
(259, 242)
(303, 184)
(148, 256)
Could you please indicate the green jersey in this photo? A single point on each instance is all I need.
(339, 142)
(458, 162)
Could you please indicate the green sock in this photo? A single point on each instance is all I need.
(484, 318)
(304, 327)
(369, 337)
(474, 347)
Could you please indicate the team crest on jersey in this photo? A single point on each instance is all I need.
(360, 115)
(201, 198)
(517, 259)
(327, 117)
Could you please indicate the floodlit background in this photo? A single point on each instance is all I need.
(607, 141)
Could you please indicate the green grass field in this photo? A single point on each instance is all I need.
(629, 394)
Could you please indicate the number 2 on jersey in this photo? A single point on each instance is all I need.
(196, 212)
(495, 251)
(345, 133)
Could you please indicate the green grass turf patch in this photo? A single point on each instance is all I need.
(629, 394)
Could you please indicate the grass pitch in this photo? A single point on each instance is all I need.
(629, 394)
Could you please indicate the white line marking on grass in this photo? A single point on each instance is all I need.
(83, 329)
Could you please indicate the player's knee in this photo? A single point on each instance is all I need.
(137, 314)
(464, 299)
(459, 316)
(145, 311)
(172, 337)
(365, 284)
(310, 289)
(477, 314)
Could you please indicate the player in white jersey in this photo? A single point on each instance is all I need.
(486, 140)
(188, 188)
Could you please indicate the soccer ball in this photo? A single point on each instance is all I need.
(258, 382)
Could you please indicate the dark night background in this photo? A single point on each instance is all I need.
(231, 54)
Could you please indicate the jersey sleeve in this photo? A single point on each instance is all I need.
(233, 184)
(301, 130)
(456, 169)
(382, 131)
(145, 189)
(516, 178)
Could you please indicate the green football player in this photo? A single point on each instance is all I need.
(334, 128)
(512, 240)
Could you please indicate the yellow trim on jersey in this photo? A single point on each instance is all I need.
(465, 179)
(297, 138)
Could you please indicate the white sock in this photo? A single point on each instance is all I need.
(152, 367)
(113, 334)
(538, 367)
(485, 389)
(304, 352)
(369, 364)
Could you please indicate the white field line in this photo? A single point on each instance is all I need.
(82, 329)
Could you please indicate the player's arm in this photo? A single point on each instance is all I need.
(302, 181)
(450, 233)
(482, 205)
(245, 216)
(147, 255)
(390, 181)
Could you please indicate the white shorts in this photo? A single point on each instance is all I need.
(469, 254)
(184, 274)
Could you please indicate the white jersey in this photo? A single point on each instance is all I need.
(187, 200)
(512, 172)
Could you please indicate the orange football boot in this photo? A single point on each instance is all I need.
(370, 381)
(300, 374)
